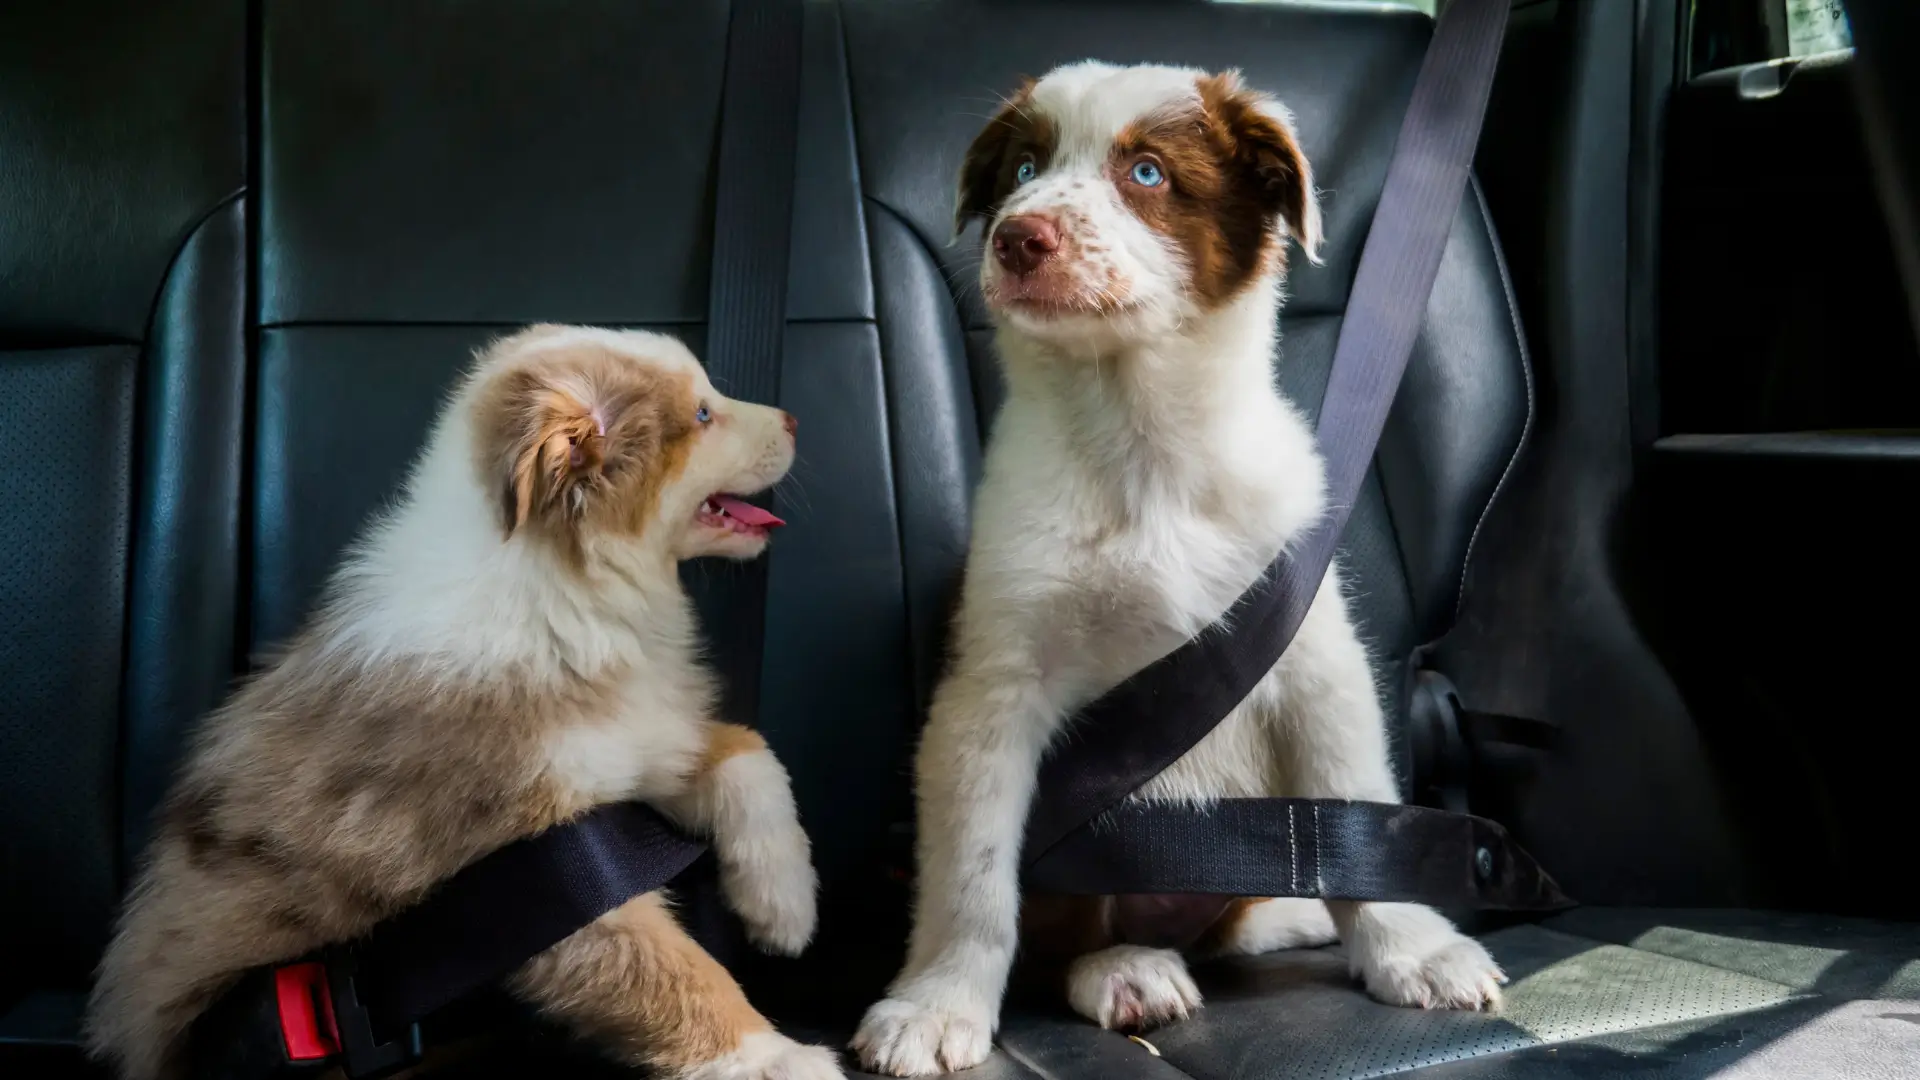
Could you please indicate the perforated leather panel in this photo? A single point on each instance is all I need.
(66, 441)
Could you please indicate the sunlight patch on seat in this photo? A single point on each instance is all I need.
(1798, 966)
(1615, 988)
(1903, 984)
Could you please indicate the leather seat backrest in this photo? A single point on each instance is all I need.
(923, 78)
(122, 283)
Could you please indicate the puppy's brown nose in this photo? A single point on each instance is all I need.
(791, 422)
(1022, 243)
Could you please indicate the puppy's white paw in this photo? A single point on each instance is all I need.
(775, 896)
(1457, 974)
(905, 1038)
(1131, 987)
(766, 869)
(770, 1056)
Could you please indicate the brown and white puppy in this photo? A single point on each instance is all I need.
(505, 649)
(1143, 472)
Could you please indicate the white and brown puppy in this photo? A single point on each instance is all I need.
(505, 649)
(1144, 471)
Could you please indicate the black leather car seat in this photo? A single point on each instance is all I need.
(244, 247)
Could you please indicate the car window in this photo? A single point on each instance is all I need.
(1733, 33)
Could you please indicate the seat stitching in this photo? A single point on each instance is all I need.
(1034, 1067)
(1319, 883)
(1526, 376)
(1293, 851)
(1024, 1061)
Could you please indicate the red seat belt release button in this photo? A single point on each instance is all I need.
(307, 1025)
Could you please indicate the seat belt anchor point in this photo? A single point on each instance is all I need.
(1483, 864)
(362, 1055)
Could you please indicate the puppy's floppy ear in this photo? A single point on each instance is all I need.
(1267, 147)
(550, 442)
(983, 170)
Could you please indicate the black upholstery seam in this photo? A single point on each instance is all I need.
(1526, 378)
(893, 455)
(1033, 1067)
(959, 313)
(89, 341)
(1025, 1062)
(136, 492)
(32, 343)
(186, 237)
(241, 654)
(880, 353)
(906, 222)
(880, 358)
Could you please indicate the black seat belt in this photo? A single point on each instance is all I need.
(1082, 834)
(514, 903)
(747, 290)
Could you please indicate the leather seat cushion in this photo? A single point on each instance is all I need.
(1594, 993)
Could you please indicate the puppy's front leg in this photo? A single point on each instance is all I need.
(976, 770)
(634, 982)
(1332, 743)
(740, 796)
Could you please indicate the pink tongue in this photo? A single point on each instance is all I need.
(745, 512)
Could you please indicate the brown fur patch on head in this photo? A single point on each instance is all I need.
(1231, 172)
(1015, 133)
(1265, 146)
(582, 438)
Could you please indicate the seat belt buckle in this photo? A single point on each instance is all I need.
(362, 1056)
(309, 1033)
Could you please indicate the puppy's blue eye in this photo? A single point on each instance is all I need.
(1026, 172)
(703, 414)
(1147, 174)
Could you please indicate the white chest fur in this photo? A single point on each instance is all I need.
(1104, 565)
(643, 749)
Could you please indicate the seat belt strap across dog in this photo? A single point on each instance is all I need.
(1148, 722)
